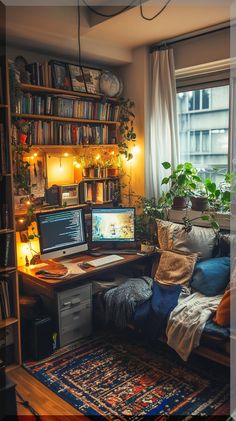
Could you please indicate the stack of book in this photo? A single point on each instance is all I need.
(97, 192)
(67, 107)
(5, 308)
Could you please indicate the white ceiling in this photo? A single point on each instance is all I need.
(53, 29)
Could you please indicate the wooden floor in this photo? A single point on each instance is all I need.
(43, 400)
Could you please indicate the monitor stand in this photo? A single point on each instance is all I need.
(113, 250)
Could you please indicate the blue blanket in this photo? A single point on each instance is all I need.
(152, 316)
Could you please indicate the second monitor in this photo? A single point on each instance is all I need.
(113, 226)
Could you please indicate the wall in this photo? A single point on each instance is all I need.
(135, 78)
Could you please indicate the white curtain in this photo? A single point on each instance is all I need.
(162, 141)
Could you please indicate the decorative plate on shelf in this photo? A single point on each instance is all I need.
(110, 84)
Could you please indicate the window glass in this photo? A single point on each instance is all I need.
(204, 129)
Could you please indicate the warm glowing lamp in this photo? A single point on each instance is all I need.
(78, 173)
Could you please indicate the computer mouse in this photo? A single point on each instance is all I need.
(83, 265)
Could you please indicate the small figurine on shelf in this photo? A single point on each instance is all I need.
(26, 261)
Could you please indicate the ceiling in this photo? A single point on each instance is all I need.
(53, 29)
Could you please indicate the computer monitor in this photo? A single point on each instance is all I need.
(115, 225)
(61, 233)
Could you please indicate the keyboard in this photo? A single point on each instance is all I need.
(103, 261)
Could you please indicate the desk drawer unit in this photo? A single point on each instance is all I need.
(74, 314)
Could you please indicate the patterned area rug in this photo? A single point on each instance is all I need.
(118, 376)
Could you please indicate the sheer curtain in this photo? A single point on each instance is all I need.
(162, 140)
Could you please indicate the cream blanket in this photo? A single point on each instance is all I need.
(187, 321)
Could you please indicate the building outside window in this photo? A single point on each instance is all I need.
(203, 116)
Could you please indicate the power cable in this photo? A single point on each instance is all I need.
(156, 15)
(113, 14)
(28, 406)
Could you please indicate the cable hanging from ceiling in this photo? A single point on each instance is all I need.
(156, 15)
(126, 8)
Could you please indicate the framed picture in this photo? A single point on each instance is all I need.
(77, 78)
(60, 75)
(92, 79)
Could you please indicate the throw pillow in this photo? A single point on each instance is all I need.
(175, 268)
(222, 316)
(211, 276)
(172, 236)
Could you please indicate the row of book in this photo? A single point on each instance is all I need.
(5, 307)
(97, 192)
(65, 107)
(4, 151)
(56, 133)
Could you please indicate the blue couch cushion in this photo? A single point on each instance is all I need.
(211, 276)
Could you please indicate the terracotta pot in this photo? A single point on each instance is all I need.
(199, 203)
(147, 248)
(113, 172)
(85, 172)
(180, 202)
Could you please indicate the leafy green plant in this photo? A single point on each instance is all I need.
(219, 196)
(126, 129)
(182, 181)
(145, 221)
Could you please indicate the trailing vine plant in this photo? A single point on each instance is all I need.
(21, 145)
(127, 133)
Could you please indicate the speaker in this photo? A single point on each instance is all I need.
(37, 341)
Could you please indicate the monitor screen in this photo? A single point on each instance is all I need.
(113, 224)
(61, 232)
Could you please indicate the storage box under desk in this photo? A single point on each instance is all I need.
(74, 313)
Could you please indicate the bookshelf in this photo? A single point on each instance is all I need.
(69, 122)
(10, 348)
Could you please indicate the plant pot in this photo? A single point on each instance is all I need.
(147, 248)
(199, 203)
(113, 172)
(85, 172)
(180, 202)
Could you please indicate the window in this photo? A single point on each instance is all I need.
(204, 129)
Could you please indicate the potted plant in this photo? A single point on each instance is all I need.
(199, 198)
(182, 182)
(145, 224)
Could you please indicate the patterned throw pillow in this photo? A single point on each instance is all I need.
(175, 268)
(172, 236)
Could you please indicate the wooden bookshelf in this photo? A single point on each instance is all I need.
(9, 325)
(53, 91)
(63, 119)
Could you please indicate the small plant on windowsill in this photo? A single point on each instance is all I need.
(182, 182)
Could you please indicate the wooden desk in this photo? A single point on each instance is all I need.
(69, 300)
(30, 272)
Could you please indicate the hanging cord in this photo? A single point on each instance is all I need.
(156, 15)
(28, 406)
(78, 32)
(113, 14)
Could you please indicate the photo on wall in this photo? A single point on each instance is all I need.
(77, 78)
(92, 79)
(60, 75)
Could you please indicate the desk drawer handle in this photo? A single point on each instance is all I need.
(66, 304)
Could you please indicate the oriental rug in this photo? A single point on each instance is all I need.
(118, 376)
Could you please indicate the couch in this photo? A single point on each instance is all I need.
(199, 260)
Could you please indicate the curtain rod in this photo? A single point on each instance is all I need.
(190, 35)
